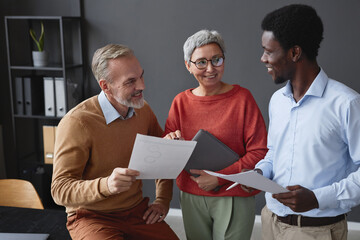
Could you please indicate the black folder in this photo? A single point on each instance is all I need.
(33, 95)
(210, 153)
(19, 95)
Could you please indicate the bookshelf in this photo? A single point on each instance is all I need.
(29, 95)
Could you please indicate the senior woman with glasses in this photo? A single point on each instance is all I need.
(230, 113)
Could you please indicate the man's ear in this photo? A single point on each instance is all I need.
(104, 85)
(296, 53)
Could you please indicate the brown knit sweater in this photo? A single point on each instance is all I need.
(86, 152)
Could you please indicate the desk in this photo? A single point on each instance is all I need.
(28, 220)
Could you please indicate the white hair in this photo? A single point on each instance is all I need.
(201, 38)
(103, 55)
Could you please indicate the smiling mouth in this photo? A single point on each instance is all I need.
(137, 94)
(211, 76)
(269, 68)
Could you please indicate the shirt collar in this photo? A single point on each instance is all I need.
(287, 91)
(316, 89)
(110, 112)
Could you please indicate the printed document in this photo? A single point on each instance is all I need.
(156, 157)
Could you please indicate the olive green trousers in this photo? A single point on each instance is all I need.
(217, 218)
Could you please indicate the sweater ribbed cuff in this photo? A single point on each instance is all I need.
(103, 187)
(163, 201)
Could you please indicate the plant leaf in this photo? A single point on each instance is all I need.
(41, 39)
(40, 43)
(33, 35)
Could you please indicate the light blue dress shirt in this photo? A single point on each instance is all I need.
(110, 113)
(315, 143)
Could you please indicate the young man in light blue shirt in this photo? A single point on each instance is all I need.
(313, 138)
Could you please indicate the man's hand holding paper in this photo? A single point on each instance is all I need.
(121, 180)
(159, 158)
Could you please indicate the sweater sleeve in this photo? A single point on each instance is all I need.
(172, 122)
(255, 137)
(164, 189)
(71, 155)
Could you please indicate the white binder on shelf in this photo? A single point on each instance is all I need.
(49, 96)
(60, 96)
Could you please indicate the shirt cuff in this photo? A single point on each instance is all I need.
(266, 172)
(326, 197)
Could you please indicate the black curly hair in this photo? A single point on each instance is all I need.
(296, 24)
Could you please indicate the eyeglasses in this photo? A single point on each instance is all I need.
(202, 63)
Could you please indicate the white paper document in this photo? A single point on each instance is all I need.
(159, 158)
(252, 179)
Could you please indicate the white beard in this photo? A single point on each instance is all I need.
(129, 103)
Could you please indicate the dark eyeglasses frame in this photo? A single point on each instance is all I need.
(208, 60)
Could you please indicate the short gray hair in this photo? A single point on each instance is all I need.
(102, 56)
(201, 38)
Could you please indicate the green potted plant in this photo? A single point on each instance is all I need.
(40, 56)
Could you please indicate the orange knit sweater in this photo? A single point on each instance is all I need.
(86, 152)
(234, 118)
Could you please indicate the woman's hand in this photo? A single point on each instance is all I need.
(205, 181)
(174, 135)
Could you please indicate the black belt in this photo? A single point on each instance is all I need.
(310, 221)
